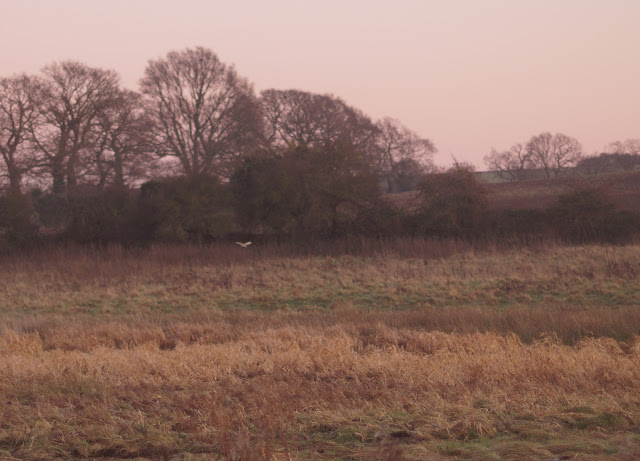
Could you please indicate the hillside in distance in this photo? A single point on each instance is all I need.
(622, 188)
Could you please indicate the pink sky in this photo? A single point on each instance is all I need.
(468, 74)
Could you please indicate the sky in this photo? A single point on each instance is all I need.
(470, 75)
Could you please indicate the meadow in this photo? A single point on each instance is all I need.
(355, 351)
(623, 189)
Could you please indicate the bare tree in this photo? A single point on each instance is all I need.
(628, 146)
(203, 113)
(314, 120)
(510, 164)
(17, 116)
(553, 153)
(400, 150)
(626, 153)
(71, 98)
(121, 153)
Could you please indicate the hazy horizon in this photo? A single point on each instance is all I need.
(470, 76)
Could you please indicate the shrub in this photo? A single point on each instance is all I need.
(520, 227)
(17, 223)
(453, 204)
(96, 215)
(182, 210)
(269, 194)
(586, 214)
(302, 192)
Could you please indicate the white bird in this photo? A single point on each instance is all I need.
(243, 245)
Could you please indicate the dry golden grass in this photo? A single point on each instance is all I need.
(319, 393)
(222, 354)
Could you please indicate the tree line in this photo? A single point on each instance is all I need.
(196, 155)
(193, 115)
(558, 154)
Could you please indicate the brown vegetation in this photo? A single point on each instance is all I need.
(229, 353)
(623, 188)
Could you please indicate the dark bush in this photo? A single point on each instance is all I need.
(304, 193)
(182, 210)
(453, 204)
(269, 194)
(380, 220)
(586, 214)
(17, 220)
(96, 215)
(52, 210)
(519, 227)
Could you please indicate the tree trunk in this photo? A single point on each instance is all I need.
(118, 170)
(15, 180)
(58, 173)
(71, 169)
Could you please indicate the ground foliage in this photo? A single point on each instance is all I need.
(411, 350)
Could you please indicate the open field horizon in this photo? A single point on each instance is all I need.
(219, 352)
(622, 188)
(241, 231)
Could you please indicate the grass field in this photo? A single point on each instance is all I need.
(411, 350)
(622, 188)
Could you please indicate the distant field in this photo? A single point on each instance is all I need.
(226, 353)
(623, 188)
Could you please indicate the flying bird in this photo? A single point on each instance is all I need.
(243, 245)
